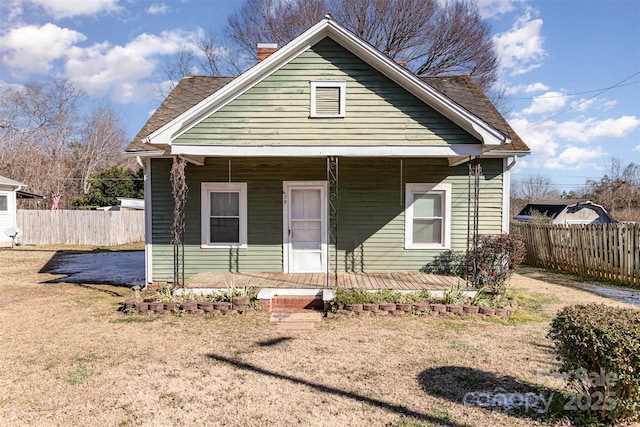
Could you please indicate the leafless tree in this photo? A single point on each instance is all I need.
(103, 139)
(211, 55)
(51, 140)
(434, 38)
(176, 67)
(618, 190)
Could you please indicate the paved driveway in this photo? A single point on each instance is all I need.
(115, 268)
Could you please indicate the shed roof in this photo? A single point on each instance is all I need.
(7, 182)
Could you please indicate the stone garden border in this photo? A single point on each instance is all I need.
(241, 305)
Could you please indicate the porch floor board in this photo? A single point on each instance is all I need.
(372, 281)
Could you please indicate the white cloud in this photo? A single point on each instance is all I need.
(10, 10)
(583, 104)
(590, 129)
(521, 48)
(575, 158)
(549, 101)
(157, 9)
(492, 8)
(70, 8)
(120, 69)
(637, 148)
(32, 48)
(530, 88)
(540, 139)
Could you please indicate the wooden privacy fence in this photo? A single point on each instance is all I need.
(603, 251)
(94, 228)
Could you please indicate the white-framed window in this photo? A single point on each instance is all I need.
(224, 214)
(328, 99)
(427, 216)
(4, 203)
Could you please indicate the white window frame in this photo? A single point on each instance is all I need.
(341, 85)
(445, 190)
(206, 189)
(6, 197)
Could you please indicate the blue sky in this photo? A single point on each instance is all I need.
(571, 68)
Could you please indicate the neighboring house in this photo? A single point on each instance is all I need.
(126, 204)
(8, 189)
(566, 212)
(325, 156)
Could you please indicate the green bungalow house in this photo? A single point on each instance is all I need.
(324, 157)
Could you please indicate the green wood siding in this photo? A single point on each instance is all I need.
(371, 211)
(276, 110)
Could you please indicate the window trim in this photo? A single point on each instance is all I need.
(341, 85)
(6, 197)
(410, 190)
(206, 188)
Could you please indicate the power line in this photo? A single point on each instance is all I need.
(581, 102)
(566, 95)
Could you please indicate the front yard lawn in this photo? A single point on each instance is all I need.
(69, 357)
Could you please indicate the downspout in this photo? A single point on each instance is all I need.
(506, 192)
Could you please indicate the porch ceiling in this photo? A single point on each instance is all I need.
(414, 281)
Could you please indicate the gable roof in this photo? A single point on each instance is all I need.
(456, 97)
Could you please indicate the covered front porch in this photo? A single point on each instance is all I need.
(412, 281)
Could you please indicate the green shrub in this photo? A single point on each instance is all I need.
(453, 295)
(362, 296)
(448, 262)
(488, 267)
(495, 260)
(599, 347)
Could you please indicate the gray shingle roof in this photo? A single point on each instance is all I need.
(464, 92)
(187, 93)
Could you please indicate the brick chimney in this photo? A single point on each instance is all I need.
(265, 50)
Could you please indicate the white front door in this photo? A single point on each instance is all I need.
(305, 237)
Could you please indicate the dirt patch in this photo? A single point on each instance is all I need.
(68, 355)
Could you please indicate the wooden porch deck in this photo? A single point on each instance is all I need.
(414, 281)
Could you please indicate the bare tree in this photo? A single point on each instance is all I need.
(103, 138)
(534, 188)
(210, 55)
(434, 38)
(618, 190)
(47, 143)
(177, 67)
(272, 21)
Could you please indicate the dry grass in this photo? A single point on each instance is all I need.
(69, 357)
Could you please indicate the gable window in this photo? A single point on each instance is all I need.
(328, 99)
(224, 214)
(428, 216)
(4, 203)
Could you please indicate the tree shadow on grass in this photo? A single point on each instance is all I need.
(468, 386)
(322, 388)
(273, 342)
